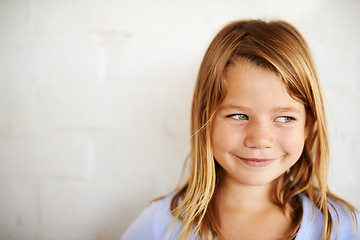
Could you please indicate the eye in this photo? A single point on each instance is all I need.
(239, 117)
(284, 119)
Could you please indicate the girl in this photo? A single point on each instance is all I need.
(259, 149)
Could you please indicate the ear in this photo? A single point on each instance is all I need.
(309, 122)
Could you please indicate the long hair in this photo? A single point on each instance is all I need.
(277, 46)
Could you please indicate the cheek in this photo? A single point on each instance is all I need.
(294, 143)
(222, 138)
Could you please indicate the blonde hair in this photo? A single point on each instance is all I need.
(277, 46)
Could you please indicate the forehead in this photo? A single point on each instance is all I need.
(244, 75)
(251, 85)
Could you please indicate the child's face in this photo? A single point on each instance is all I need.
(259, 130)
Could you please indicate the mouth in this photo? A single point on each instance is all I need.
(257, 162)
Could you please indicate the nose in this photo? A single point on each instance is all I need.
(259, 135)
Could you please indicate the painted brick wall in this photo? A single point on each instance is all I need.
(95, 101)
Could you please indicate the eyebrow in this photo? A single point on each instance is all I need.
(286, 109)
(276, 109)
(232, 106)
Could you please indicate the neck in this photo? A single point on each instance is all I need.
(243, 197)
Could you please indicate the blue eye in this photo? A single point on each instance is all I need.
(239, 117)
(284, 119)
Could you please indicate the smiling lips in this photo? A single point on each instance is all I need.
(257, 162)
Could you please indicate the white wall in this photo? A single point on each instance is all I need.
(95, 100)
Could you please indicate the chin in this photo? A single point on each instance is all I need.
(261, 181)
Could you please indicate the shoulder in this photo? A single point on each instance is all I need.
(312, 222)
(153, 222)
(343, 220)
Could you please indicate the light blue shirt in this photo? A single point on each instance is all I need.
(154, 222)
